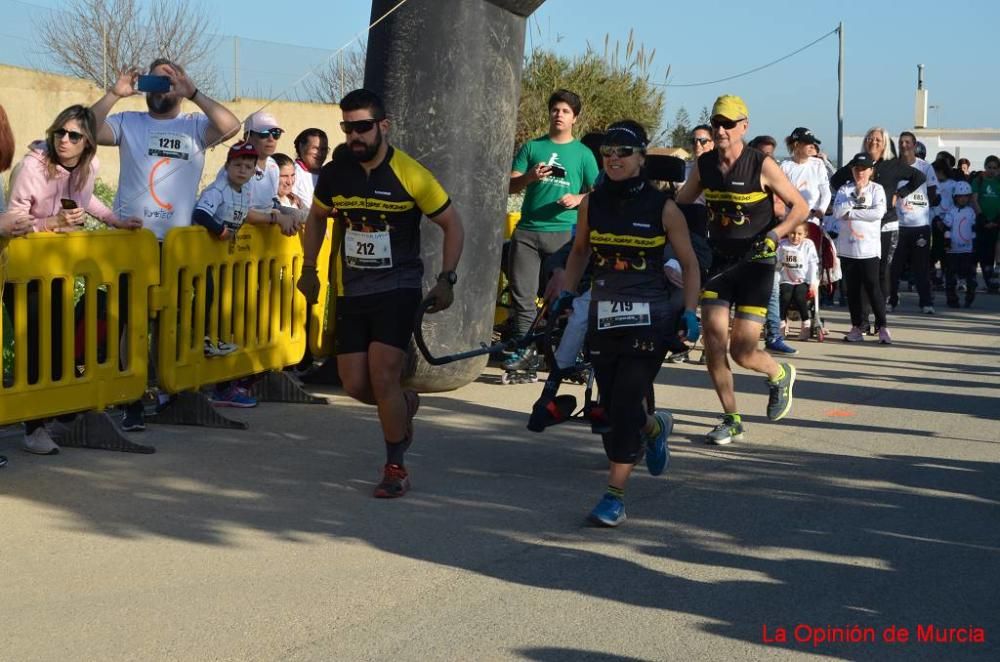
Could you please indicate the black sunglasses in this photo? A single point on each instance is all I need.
(358, 126)
(724, 123)
(74, 136)
(275, 133)
(701, 141)
(619, 151)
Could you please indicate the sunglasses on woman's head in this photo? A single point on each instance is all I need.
(273, 133)
(358, 126)
(619, 151)
(74, 136)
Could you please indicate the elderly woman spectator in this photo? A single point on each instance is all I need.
(888, 172)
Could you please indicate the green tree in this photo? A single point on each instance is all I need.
(705, 116)
(613, 85)
(681, 128)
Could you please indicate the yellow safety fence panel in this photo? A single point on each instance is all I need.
(75, 307)
(323, 316)
(502, 310)
(254, 305)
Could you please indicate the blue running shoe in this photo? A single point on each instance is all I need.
(609, 511)
(657, 450)
(779, 346)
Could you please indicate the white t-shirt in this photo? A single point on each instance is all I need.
(225, 204)
(860, 214)
(960, 224)
(914, 211)
(946, 190)
(263, 186)
(797, 264)
(812, 181)
(688, 167)
(304, 186)
(161, 165)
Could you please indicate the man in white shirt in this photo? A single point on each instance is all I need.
(914, 212)
(162, 151)
(162, 155)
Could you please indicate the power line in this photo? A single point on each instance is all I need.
(755, 69)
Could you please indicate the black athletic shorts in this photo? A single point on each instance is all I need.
(386, 317)
(746, 285)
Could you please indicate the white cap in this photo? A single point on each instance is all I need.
(261, 122)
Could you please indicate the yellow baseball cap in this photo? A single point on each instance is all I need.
(731, 107)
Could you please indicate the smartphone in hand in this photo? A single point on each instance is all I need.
(68, 204)
(557, 171)
(153, 84)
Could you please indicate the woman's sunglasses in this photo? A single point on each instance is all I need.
(74, 136)
(619, 151)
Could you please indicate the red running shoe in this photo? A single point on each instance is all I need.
(395, 482)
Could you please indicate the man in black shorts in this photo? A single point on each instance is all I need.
(378, 195)
(739, 184)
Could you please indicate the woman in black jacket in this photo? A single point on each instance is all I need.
(889, 172)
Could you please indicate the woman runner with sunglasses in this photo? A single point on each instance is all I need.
(739, 184)
(622, 229)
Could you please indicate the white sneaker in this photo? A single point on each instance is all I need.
(218, 349)
(225, 347)
(928, 310)
(40, 443)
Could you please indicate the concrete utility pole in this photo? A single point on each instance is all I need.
(840, 97)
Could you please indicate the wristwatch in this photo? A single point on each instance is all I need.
(449, 276)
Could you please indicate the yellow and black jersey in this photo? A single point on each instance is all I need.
(379, 215)
(739, 209)
(627, 241)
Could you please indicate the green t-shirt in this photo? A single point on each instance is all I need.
(541, 211)
(988, 191)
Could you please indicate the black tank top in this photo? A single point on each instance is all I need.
(627, 241)
(740, 211)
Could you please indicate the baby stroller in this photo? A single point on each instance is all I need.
(829, 267)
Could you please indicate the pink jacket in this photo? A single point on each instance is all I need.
(34, 193)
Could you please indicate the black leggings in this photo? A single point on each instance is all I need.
(914, 250)
(863, 276)
(623, 381)
(794, 295)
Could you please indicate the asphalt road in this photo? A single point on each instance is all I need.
(875, 504)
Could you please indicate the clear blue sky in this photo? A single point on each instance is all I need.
(707, 41)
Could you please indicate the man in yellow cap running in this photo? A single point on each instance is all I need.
(739, 184)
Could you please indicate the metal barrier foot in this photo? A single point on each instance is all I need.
(280, 387)
(95, 429)
(193, 408)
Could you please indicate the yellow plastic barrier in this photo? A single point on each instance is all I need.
(322, 317)
(513, 218)
(113, 266)
(255, 305)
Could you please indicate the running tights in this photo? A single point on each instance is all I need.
(623, 382)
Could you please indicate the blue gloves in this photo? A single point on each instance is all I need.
(690, 324)
(562, 302)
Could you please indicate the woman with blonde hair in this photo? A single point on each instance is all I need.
(889, 171)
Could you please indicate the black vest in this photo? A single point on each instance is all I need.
(740, 211)
(627, 242)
